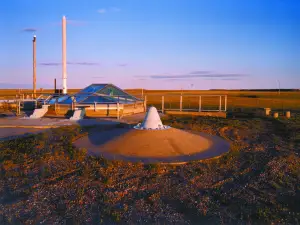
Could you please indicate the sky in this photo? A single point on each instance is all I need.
(153, 44)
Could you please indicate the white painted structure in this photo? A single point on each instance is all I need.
(152, 121)
(39, 113)
(78, 114)
(64, 55)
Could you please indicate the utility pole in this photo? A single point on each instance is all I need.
(34, 66)
(64, 54)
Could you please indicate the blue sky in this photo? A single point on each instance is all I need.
(157, 44)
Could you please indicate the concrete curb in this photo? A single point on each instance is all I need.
(35, 127)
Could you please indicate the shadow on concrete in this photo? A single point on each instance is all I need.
(98, 136)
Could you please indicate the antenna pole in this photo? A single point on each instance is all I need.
(64, 54)
(34, 65)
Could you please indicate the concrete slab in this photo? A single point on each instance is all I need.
(14, 122)
(11, 133)
(152, 146)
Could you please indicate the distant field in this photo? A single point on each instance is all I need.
(286, 100)
(235, 99)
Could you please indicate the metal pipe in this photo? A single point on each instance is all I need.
(34, 65)
(64, 54)
(200, 103)
(162, 103)
(180, 102)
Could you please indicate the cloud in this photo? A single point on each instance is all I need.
(83, 63)
(29, 30)
(142, 79)
(231, 79)
(50, 64)
(101, 11)
(123, 64)
(187, 76)
(199, 72)
(69, 63)
(111, 9)
(97, 77)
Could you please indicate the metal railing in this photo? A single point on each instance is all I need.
(197, 103)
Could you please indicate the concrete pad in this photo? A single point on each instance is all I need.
(12, 133)
(50, 122)
(152, 146)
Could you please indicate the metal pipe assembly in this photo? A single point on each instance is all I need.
(64, 55)
(34, 65)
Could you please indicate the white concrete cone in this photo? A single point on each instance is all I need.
(152, 119)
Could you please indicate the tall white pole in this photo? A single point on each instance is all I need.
(64, 54)
(34, 66)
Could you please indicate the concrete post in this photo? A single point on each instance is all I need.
(145, 103)
(220, 105)
(200, 103)
(180, 109)
(95, 106)
(288, 114)
(118, 110)
(267, 111)
(162, 104)
(19, 108)
(275, 115)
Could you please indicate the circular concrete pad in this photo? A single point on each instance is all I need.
(150, 146)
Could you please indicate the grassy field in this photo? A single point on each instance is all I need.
(45, 179)
(235, 99)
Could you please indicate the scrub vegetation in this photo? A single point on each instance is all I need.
(44, 179)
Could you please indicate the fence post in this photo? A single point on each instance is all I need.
(19, 108)
(180, 103)
(145, 103)
(162, 104)
(225, 103)
(220, 105)
(95, 106)
(200, 103)
(118, 110)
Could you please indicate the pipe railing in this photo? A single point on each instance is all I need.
(197, 107)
